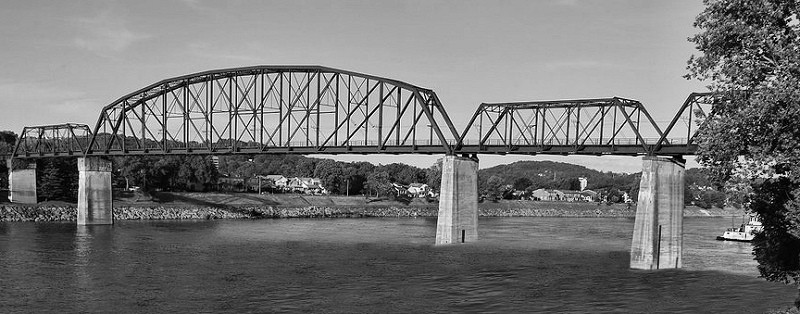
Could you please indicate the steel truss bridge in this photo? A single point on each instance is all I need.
(321, 110)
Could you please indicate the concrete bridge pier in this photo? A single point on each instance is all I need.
(458, 201)
(21, 181)
(658, 229)
(94, 191)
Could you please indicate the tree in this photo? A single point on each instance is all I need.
(7, 141)
(332, 176)
(750, 54)
(378, 182)
(57, 180)
(434, 174)
(494, 187)
(51, 182)
(522, 183)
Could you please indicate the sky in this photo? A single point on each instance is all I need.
(62, 61)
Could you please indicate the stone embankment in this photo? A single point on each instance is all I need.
(14, 212)
(69, 213)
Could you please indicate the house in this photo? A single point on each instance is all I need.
(306, 185)
(564, 195)
(579, 196)
(278, 180)
(547, 195)
(418, 189)
(590, 196)
(399, 189)
(260, 183)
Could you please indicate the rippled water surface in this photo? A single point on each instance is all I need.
(370, 265)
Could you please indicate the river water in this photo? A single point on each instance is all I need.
(547, 265)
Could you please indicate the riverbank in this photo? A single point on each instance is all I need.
(183, 207)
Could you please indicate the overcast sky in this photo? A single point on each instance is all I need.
(62, 61)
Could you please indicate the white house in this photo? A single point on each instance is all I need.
(418, 189)
(306, 185)
(278, 180)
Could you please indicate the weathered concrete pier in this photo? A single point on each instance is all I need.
(94, 191)
(94, 188)
(21, 181)
(458, 201)
(658, 229)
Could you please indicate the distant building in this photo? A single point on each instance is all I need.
(306, 185)
(547, 195)
(418, 189)
(278, 180)
(215, 161)
(399, 189)
(564, 195)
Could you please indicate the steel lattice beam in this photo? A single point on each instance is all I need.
(69, 139)
(581, 126)
(316, 110)
(680, 134)
(273, 109)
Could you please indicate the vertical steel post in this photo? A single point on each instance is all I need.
(380, 115)
(336, 112)
(577, 124)
(319, 104)
(399, 116)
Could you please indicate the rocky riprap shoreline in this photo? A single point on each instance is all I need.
(69, 213)
(15, 212)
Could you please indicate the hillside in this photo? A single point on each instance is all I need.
(557, 175)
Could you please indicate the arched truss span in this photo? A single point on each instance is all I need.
(275, 109)
(583, 126)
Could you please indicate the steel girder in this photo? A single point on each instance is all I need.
(275, 109)
(679, 136)
(320, 110)
(583, 126)
(69, 139)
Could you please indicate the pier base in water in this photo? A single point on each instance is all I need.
(21, 181)
(94, 191)
(658, 229)
(458, 201)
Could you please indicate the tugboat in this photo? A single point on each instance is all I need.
(744, 233)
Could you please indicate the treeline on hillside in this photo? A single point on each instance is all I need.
(338, 177)
(699, 191)
(498, 181)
